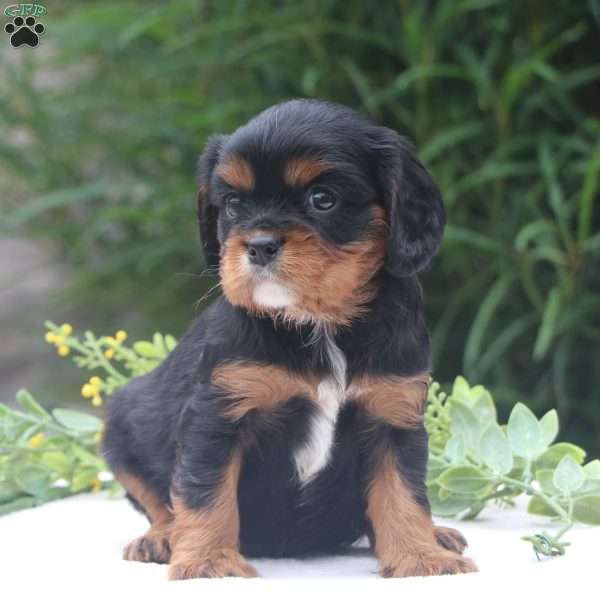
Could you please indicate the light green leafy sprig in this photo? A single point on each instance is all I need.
(109, 354)
(47, 455)
(474, 460)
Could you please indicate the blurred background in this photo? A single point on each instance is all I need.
(101, 126)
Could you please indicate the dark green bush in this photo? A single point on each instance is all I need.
(105, 120)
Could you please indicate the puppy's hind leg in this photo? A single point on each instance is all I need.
(154, 545)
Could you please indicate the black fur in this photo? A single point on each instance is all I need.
(168, 427)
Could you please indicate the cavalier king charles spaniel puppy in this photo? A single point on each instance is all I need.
(288, 421)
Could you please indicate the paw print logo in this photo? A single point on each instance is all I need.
(24, 31)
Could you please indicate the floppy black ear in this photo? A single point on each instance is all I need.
(208, 213)
(413, 204)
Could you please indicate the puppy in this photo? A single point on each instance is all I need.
(288, 421)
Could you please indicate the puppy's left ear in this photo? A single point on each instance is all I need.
(413, 204)
(208, 214)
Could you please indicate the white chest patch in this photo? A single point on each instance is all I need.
(272, 295)
(331, 393)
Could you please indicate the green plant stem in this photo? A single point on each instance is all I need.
(48, 424)
(528, 488)
(95, 348)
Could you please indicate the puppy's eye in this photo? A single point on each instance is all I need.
(232, 203)
(321, 199)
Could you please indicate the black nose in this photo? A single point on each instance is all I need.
(263, 248)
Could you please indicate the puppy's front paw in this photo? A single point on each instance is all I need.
(450, 539)
(151, 547)
(435, 562)
(223, 562)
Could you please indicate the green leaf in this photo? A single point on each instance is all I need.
(524, 432)
(464, 480)
(461, 388)
(449, 505)
(77, 421)
(8, 492)
(518, 469)
(549, 425)
(592, 469)
(537, 506)
(548, 327)
(57, 461)
(550, 458)
(83, 479)
(435, 467)
(465, 423)
(87, 458)
(5, 412)
(33, 480)
(495, 450)
(590, 487)
(455, 448)
(30, 405)
(38, 206)
(568, 476)
(170, 342)
(147, 350)
(483, 405)
(545, 478)
(586, 509)
(18, 504)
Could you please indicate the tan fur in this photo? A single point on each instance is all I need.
(343, 273)
(153, 546)
(237, 172)
(299, 172)
(399, 401)
(205, 542)
(404, 537)
(255, 386)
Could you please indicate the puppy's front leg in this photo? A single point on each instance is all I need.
(404, 537)
(205, 535)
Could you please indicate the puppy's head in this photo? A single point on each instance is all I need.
(302, 206)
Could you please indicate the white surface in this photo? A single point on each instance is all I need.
(72, 549)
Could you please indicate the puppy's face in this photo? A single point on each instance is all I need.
(298, 209)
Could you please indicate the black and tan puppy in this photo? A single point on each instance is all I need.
(288, 420)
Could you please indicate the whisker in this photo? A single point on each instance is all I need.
(206, 295)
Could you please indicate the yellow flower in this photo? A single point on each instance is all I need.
(121, 336)
(88, 390)
(50, 337)
(37, 440)
(66, 329)
(96, 484)
(63, 350)
(109, 353)
(98, 437)
(97, 400)
(95, 381)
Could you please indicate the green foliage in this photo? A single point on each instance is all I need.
(109, 353)
(45, 456)
(474, 461)
(103, 131)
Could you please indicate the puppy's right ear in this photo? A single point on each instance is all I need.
(208, 213)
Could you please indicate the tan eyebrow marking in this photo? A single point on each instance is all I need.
(237, 172)
(298, 172)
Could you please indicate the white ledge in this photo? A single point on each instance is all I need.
(72, 549)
